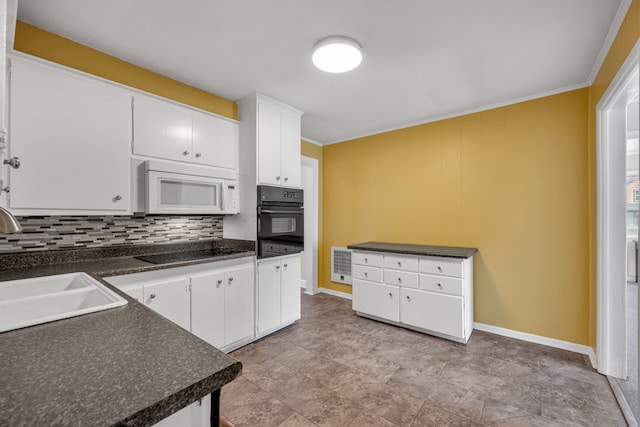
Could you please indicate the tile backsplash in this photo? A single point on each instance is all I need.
(42, 233)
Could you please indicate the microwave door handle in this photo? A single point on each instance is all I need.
(278, 212)
(222, 196)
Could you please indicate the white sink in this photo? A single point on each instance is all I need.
(29, 302)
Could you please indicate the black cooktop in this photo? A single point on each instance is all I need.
(170, 257)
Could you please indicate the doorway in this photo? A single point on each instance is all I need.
(617, 236)
(309, 260)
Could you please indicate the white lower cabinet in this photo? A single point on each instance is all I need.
(214, 301)
(436, 312)
(278, 293)
(425, 293)
(376, 299)
(169, 298)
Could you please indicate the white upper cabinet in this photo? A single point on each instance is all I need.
(72, 135)
(161, 129)
(215, 141)
(278, 139)
(169, 131)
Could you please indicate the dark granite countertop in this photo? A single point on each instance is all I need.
(124, 366)
(409, 249)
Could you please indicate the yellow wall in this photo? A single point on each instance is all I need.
(509, 181)
(625, 40)
(315, 151)
(37, 42)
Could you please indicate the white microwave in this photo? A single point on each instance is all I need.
(188, 189)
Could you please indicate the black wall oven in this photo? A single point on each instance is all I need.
(280, 221)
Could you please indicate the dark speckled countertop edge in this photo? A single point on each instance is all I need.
(413, 249)
(100, 264)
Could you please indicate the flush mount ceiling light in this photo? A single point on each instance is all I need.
(337, 54)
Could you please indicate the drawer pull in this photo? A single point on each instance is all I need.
(399, 279)
(366, 274)
(230, 280)
(152, 296)
(219, 283)
(439, 269)
(440, 285)
(408, 298)
(399, 264)
(390, 295)
(366, 260)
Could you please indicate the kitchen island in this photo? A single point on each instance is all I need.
(124, 366)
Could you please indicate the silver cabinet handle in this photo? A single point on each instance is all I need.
(277, 178)
(399, 264)
(218, 283)
(440, 285)
(230, 280)
(117, 198)
(277, 267)
(390, 295)
(185, 153)
(399, 279)
(14, 162)
(198, 154)
(408, 298)
(152, 296)
(439, 269)
(366, 260)
(366, 274)
(286, 265)
(286, 179)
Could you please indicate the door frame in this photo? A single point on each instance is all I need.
(611, 347)
(311, 242)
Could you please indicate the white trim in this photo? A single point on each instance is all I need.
(610, 318)
(462, 113)
(551, 342)
(608, 41)
(303, 284)
(311, 141)
(312, 258)
(11, 22)
(335, 293)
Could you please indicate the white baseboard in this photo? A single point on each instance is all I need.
(551, 342)
(335, 293)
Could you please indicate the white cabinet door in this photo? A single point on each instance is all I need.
(161, 129)
(376, 299)
(268, 294)
(290, 289)
(72, 135)
(269, 152)
(429, 310)
(239, 312)
(290, 149)
(214, 141)
(208, 308)
(171, 299)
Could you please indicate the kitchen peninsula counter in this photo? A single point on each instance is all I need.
(126, 366)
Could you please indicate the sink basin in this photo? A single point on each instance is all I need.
(29, 302)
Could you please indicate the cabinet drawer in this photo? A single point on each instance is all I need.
(401, 278)
(400, 262)
(367, 258)
(441, 266)
(376, 299)
(447, 285)
(367, 273)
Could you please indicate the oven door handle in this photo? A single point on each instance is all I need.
(281, 212)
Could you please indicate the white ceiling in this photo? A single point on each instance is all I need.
(423, 59)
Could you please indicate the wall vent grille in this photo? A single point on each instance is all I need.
(341, 265)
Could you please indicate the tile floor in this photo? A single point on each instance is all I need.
(333, 368)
